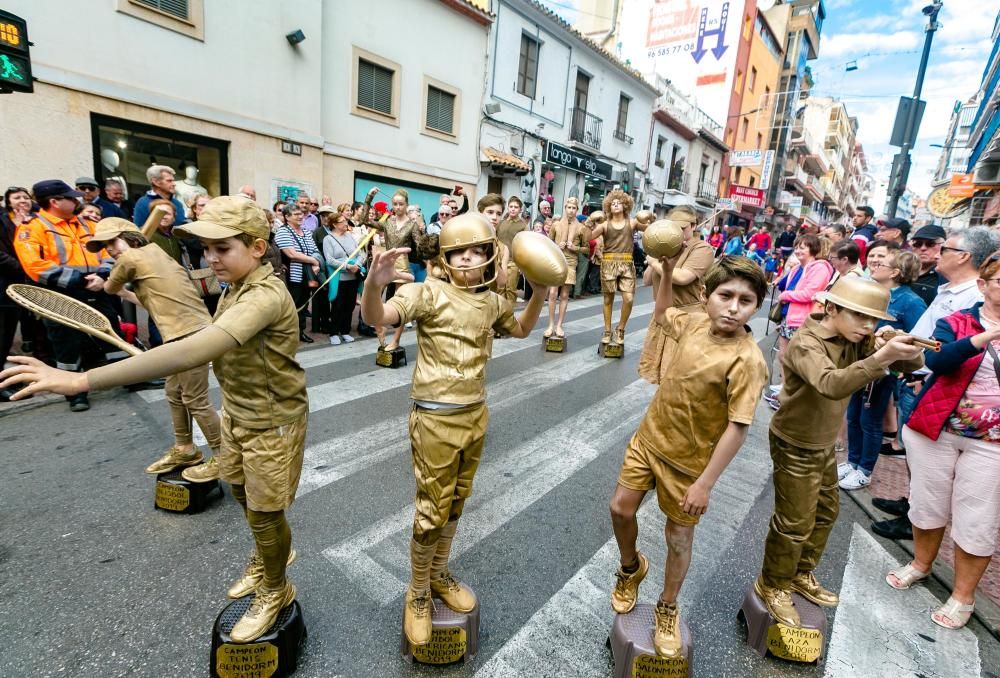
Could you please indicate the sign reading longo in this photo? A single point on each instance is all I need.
(586, 164)
(15, 59)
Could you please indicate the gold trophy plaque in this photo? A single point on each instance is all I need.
(611, 350)
(631, 644)
(177, 495)
(765, 635)
(392, 359)
(454, 638)
(274, 655)
(554, 344)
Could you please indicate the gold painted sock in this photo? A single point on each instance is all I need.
(420, 565)
(442, 551)
(274, 540)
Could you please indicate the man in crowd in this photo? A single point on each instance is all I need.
(834, 232)
(864, 230)
(926, 244)
(52, 250)
(786, 241)
(92, 196)
(452, 202)
(247, 191)
(544, 213)
(310, 222)
(161, 182)
(961, 256)
(894, 230)
(444, 214)
(762, 239)
(115, 193)
(844, 256)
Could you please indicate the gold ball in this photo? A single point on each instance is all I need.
(539, 259)
(645, 217)
(663, 238)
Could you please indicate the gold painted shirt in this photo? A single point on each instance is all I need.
(822, 369)
(570, 233)
(709, 382)
(263, 385)
(697, 257)
(508, 228)
(618, 240)
(164, 289)
(454, 338)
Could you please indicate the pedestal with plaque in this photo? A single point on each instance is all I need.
(392, 359)
(632, 648)
(554, 344)
(455, 637)
(611, 350)
(274, 654)
(766, 635)
(177, 495)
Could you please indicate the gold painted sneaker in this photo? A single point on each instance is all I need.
(175, 458)
(667, 636)
(202, 473)
(626, 590)
(778, 602)
(417, 617)
(620, 335)
(454, 593)
(805, 585)
(262, 613)
(253, 574)
(606, 337)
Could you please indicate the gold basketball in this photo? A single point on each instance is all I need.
(539, 259)
(663, 238)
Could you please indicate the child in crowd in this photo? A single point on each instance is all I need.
(716, 371)
(455, 320)
(251, 344)
(772, 266)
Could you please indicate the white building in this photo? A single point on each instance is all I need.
(228, 87)
(562, 116)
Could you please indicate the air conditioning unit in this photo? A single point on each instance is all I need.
(987, 173)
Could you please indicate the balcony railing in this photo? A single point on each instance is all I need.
(621, 136)
(585, 128)
(706, 189)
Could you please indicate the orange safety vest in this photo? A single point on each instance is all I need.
(53, 251)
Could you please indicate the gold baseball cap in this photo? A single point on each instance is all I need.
(109, 229)
(228, 216)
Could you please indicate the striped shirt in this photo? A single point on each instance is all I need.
(286, 238)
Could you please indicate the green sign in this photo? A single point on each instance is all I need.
(15, 60)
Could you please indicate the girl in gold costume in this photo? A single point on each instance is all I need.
(568, 235)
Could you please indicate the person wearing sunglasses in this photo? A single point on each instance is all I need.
(926, 244)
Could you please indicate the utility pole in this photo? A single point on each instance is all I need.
(899, 185)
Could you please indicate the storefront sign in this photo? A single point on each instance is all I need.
(749, 158)
(727, 204)
(579, 162)
(767, 170)
(962, 186)
(751, 197)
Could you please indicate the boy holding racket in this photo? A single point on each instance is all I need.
(251, 344)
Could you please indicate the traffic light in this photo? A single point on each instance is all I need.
(628, 177)
(15, 59)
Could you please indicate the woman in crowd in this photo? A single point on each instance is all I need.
(299, 250)
(717, 238)
(953, 449)
(734, 246)
(337, 250)
(399, 231)
(278, 217)
(895, 269)
(193, 252)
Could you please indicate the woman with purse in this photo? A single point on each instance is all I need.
(337, 250)
(298, 248)
(953, 449)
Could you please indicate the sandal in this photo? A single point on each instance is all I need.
(606, 337)
(547, 333)
(905, 576)
(560, 333)
(953, 614)
(619, 335)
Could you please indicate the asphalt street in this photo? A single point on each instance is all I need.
(95, 582)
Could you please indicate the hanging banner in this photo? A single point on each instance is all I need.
(748, 196)
(767, 170)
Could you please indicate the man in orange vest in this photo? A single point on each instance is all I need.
(52, 250)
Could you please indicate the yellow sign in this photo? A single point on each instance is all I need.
(172, 497)
(940, 203)
(383, 359)
(448, 645)
(256, 660)
(654, 666)
(555, 344)
(795, 644)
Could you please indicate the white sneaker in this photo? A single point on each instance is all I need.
(334, 340)
(855, 480)
(844, 470)
(408, 326)
(774, 388)
(346, 338)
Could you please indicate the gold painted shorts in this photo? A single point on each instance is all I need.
(642, 471)
(446, 446)
(267, 461)
(617, 274)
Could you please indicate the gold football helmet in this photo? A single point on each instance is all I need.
(468, 230)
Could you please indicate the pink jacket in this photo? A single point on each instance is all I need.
(814, 280)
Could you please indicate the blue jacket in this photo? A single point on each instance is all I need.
(906, 306)
(141, 211)
(109, 209)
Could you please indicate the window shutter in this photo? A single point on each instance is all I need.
(177, 8)
(374, 87)
(440, 110)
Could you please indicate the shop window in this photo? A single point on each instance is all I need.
(527, 66)
(659, 151)
(124, 150)
(622, 121)
(183, 16)
(441, 110)
(376, 87)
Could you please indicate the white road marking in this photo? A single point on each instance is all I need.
(879, 631)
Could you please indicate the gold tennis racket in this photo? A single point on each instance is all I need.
(69, 312)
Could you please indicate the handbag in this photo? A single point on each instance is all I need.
(203, 279)
(774, 314)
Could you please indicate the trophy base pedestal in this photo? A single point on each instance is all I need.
(611, 350)
(554, 344)
(798, 644)
(177, 495)
(455, 637)
(392, 359)
(274, 654)
(631, 643)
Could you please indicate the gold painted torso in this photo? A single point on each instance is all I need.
(618, 237)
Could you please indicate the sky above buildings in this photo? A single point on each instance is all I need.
(884, 38)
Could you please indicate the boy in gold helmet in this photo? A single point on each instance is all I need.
(455, 320)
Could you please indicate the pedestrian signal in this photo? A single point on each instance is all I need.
(15, 58)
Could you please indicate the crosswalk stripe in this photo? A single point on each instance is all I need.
(336, 458)
(318, 357)
(506, 484)
(570, 629)
(879, 631)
